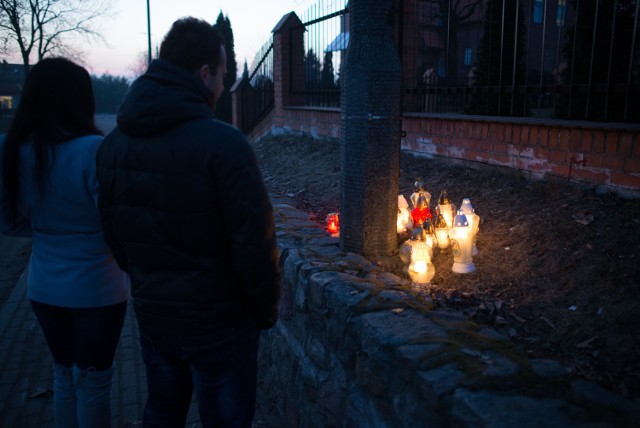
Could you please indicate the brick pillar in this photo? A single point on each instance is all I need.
(370, 146)
(288, 62)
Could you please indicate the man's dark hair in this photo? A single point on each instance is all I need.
(192, 43)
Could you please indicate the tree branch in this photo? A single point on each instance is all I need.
(49, 25)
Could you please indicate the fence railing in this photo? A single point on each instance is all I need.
(257, 96)
(576, 59)
(560, 59)
(316, 67)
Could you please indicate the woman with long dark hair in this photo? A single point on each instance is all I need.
(49, 192)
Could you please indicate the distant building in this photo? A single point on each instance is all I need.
(11, 81)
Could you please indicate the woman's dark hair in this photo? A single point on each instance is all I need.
(192, 43)
(57, 105)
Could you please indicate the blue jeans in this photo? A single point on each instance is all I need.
(220, 366)
(83, 342)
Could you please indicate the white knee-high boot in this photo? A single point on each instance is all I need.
(93, 391)
(64, 397)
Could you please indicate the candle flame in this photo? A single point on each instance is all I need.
(333, 223)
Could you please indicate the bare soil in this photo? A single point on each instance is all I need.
(558, 269)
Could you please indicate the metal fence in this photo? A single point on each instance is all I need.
(316, 66)
(258, 98)
(565, 59)
(561, 59)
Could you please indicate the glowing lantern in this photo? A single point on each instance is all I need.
(417, 254)
(442, 232)
(462, 245)
(430, 235)
(421, 270)
(404, 216)
(474, 221)
(419, 190)
(406, 249)
(333, 223)
(421, 212)
(446, 208)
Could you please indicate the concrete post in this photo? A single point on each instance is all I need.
(370, 147)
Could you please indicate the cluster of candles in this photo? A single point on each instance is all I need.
(445, 228)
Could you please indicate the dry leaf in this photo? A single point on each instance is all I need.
(41, 392)
(516, 317)
(500, 320)
(586, 343)
(582, 218)
(548, 322)
(471, 352)
(484, 358)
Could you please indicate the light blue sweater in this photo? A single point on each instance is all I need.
(71, 265)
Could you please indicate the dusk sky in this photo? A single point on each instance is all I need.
(126, 32)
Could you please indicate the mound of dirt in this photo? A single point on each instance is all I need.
(558, 269)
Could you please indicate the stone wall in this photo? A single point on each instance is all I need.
(356, 346)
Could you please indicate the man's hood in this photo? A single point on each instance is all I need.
(162, 98)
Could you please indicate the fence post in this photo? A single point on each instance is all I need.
(288, 62)
(370, 146)
(237, 102)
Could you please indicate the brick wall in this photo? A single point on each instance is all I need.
(599, 154)
(314, 121)
(604, 155)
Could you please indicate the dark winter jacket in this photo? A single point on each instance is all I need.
(185, 210)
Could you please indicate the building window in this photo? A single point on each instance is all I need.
(467, 56)
(538, 11)
(442, 69)
(6, 102)
(561, 14)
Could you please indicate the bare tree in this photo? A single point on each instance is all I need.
(139, 65)
(37, 28)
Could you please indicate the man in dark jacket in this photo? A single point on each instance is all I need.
(185, 211)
